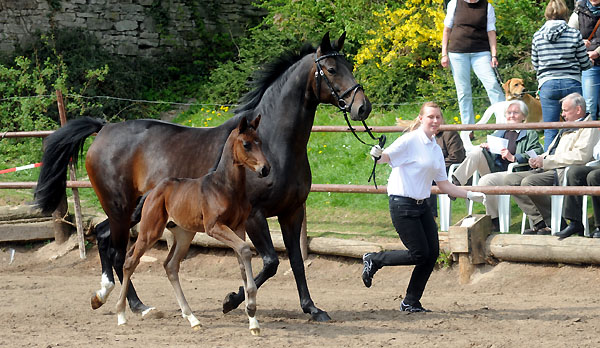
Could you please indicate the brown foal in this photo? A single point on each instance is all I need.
(216, 204)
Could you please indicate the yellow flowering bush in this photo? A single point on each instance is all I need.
(402, 50)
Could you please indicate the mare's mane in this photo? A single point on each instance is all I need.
(265, 77)
(261, 80)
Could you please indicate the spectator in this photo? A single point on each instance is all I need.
(558, 56)
(492, 167)
(469, 42)
(584, 18)
(570, 147)
(581, 175)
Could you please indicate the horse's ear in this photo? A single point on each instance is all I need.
(243, 125)
(325, 45)
(339, 44)
(255, 122)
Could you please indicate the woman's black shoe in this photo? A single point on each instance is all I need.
(575, 227)
(412, 309)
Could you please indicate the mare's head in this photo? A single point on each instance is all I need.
(334, 83)
(247, 147)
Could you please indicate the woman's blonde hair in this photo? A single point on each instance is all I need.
(416, 123)
(556, 9)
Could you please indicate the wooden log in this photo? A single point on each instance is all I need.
(341, 247)
(26, 232)
(20, 212)
(320, 245)
(546, 249)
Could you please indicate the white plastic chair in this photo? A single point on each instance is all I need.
(504, 204)
(444, 201)
(444, 204)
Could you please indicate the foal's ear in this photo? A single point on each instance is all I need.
(339, 44)
(243, 125)
(325, 45)
(255, 122)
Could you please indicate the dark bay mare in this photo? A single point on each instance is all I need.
(128, 159)
(216, 203)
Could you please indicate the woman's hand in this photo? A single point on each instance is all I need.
(494, 62)
(445, 61)
(484, 146)
(476, 196)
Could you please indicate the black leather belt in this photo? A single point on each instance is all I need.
(408, 199)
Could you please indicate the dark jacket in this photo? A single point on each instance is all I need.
(452, 147)
(528, 139)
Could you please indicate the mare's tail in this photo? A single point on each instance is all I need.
(61, 146)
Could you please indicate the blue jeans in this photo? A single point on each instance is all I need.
(461, 64)
(590, 80)
(551, 92)
(416, 228)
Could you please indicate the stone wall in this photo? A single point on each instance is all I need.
(127, 27)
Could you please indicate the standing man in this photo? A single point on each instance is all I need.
(469, 42)
(584, 18)
(570, 147)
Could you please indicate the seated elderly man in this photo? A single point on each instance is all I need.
(581, 175)
(569, 147)
(492, 167)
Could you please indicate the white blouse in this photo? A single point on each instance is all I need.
(416, 162)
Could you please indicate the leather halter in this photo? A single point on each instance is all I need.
(319, 73)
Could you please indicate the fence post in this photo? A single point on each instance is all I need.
(61, 230)
(78, 217)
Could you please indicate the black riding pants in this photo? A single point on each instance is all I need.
(581, 176)
(416, 227)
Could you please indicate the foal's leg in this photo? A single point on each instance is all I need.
(181, 245)
(224, 234)
(258, 231)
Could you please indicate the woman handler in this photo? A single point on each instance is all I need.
(416, 161)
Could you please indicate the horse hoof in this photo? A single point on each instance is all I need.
(229, 303)
(321, 316)
(255, 332)
(96, 302)
(152, 313)
(197, 327)
(121, 320)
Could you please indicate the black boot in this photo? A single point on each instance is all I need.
(575, 227)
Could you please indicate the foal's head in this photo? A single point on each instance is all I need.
(247, 147)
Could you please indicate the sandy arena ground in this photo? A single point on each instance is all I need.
(47, 304)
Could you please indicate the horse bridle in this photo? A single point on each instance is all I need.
(319, 73)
